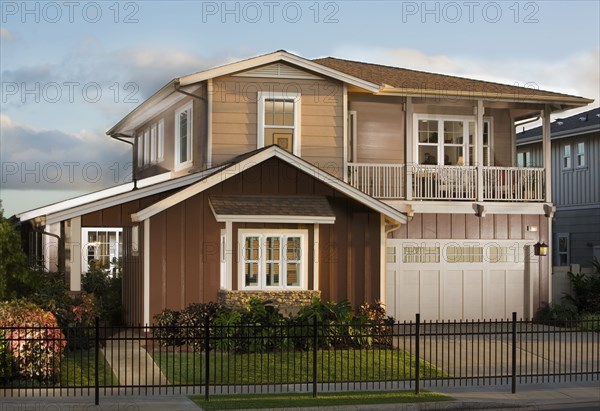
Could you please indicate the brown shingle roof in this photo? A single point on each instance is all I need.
(313, 206)
(401, 78)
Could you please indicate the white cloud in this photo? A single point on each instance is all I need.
(577, 74)
(33, 158)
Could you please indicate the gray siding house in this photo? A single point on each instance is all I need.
(575, 151)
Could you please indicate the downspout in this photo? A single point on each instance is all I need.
(118, 136)
(61, 248)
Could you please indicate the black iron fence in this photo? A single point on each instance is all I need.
(310, 357)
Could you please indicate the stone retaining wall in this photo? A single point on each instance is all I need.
(288, 302)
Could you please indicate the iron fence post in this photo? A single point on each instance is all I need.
(206, 358)
(514, 353)
(96, 361)
(314, 393)
(417, 353)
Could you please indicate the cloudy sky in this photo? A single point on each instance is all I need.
(71, 70)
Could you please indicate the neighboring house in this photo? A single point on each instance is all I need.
(289, 178)
(575, 184)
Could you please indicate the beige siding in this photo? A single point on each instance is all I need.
(198, 136)
(235, 119)
(501, 139)
(380, 128)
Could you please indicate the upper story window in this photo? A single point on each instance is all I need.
(150, 145)
(273, 259)
(566, 157)
(278, 120)
(563, 249)
(524, 159)
(183, 136)
(450, 140)
(580, 155)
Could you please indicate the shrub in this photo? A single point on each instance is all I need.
(562, 314)
(226, 328)
(381, 325)
(36, 344)
(586, 290)
(167, 328)
(107, 290)
(261, 329)
(192, 322)
(590, 322)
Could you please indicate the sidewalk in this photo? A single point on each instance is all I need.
(528, 396)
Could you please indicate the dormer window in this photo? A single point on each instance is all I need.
(278, 120)
(183, 136)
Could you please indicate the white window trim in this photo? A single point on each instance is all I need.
(180, 165)
(440, 146)
(563, 156)
(153, 131)
(558, 252)
(578, 154)
(146, 147)
(140, 150)
(263, 233)
(264, 95)
(84, 238)
(160, 144)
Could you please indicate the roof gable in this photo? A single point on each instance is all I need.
(259, 156)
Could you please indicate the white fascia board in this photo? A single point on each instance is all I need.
(467, 207)
(273, 151)
(130, 195)
(274, 57)
(292, 219)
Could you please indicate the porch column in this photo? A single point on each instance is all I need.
(345, 132)
(229, 255)
(479, 148)
(75, 248)
(547, 153)
(409, 155)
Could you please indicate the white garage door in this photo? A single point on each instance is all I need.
(456, 280)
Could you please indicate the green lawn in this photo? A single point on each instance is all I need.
(257, 401)
(293, 367)
(77, 370)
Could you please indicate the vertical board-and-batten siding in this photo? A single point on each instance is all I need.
(234, 118)
(577, 185)
(185, 239)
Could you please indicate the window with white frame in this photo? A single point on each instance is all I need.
(580, 154)
(273, 260)
(566, 157)
(183, 136)
(160, 144)
(278, 120)
(146, 147)
(450, 140)
(102, 248)
(153, 144)
(563, 249)
(524, 159)
(140, 150)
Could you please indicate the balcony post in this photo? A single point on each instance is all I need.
(409, 155)
(479, 148)
(547, 153)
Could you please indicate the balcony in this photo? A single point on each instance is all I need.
(452, 183)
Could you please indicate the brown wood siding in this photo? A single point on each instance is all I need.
(185, 261)
(132, 282)
(492, 227)
(501, 138)
(119, 215)
(380, 128)
(234, 118)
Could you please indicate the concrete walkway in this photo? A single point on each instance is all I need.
(130, 362)
(528, 397)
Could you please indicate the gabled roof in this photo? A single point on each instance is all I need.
(586, 122)
(251, 159)
(372, 78)
(421, 83)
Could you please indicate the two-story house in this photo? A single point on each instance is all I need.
(285, 177)
(575, 184)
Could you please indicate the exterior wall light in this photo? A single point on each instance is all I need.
(540, 249)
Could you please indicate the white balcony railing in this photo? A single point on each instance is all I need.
(513, 184)
(433, 182)
(378, 180)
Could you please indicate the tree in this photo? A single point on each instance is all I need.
(13, 261)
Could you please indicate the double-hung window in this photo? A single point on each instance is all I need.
(563, 250)
(146, 147)
(102, 249)
(183, 136)
(278, 120)
(273, 259)
(524, 159)
(566, 157)
(580, 155)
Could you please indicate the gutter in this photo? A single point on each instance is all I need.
(118, 136)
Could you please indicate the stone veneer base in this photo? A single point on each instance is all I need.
(288, 302)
